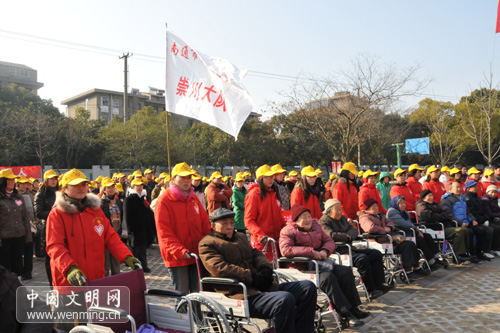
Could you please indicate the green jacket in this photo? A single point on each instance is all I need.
(238, 199)
(385, 190)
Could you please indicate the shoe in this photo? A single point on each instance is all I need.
(385, 288)
(475, 260)
(482, 256)
(497, 253)
(26, 277)
(443, 262)
(463, 257)
(374, 294)
(360, 314)
(421, 272)
(146, 270)
(412, 276)
(351, 320)
(488, 255)
(435, 266)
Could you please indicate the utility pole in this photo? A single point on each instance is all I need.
(398, 152)
(125, 86)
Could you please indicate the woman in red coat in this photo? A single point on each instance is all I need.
(306, 194)
(433, 184)
(181, 223)
(345, 191)
(401, 188)
(263, 209)
(369, 190)
(78, 232)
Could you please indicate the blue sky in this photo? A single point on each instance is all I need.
(452, 41)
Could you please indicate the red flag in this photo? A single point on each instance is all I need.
(498, 19)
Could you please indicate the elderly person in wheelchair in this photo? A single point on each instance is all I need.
(226, 253)
(368, 261)
(305, 238)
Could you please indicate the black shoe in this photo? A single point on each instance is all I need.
(385, 288)
(26, 277)
(412, 276)
(462, 257)
(421, 272)
(351, 320)
(443, 263)
(374, 294)
(475, 260)
(359, 313)
(146, 270)
(481, 256)
(435, 266)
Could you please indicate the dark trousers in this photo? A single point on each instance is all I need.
(370, 266)
(37, 245)
(292, 307)
(495, 244)
(11, 254)
(185, 278)
(27, 259)
(427, 245)
(409, 254)
(484, 237)
(340, 287)
(140, 253)
(47, 268)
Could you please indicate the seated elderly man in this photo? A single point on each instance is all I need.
(228, 254)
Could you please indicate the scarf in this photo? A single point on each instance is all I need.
(179, 195)
(395, 205)
(81, 205)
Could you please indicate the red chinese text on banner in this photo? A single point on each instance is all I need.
(27, 171)
(205, 88)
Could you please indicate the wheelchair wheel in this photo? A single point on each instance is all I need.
(208, 315)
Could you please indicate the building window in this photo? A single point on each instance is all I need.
(115, 106)
(104, 101)
(86, 104)
(12, 71)
(190, 122)
(24, 73)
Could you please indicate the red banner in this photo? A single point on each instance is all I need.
(27, 171)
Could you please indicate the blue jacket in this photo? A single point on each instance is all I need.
(455, 208)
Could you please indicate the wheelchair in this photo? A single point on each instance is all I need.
(345, 259)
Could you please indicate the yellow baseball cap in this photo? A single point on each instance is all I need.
(454, 171)
(137, 173)
(445, 169)
(264, 170)
(107, 182)
(351, 167)
(92, 184)
(196, 176)
(239, 177)
(432, 168)
(114, 175)
(415, 167)
(7, 173)
(137, 181)
(278, 168)
(119, 187)
(293, 173)
(120, 175)
(49, 174)
(332, 176)
(473, 170)
(369, 173)
(247, 173)
(148, 171)
(489, 172)
(130, 177)
(22, 179)
(181, 169)
(318, 171)
(399, 171)
(216, 174)
(308, 171)
(162, 175)
(205, 179)
(32, 180)
(74, 177)
(99, 179)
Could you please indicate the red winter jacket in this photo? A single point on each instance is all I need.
(296, 242)
(462, 186)
(373, 224)
(402, 189)
(80, 238)
(312, 204)
(483, 185)
(370, 191)
(180, 224)
(437, 189)
(262, 216)
(415, 187)
(215, 198)
(328, 190)
(347, 197)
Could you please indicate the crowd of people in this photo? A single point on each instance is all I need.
(86, 229)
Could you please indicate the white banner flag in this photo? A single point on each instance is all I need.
(205, 88)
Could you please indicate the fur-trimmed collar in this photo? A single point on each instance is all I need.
(342, 180)
(93, 201)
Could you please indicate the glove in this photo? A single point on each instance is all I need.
(75, 276)
(131, 261)
(263, 278)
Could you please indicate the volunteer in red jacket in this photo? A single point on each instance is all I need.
(414, 174)
(433, 184)
(181, 223)
(401, 188)
(78, 232)
(218, 193)
(487, 180)
(369, 190)
(306, 194)
(475, 175)
(456, 176)
(345, 191)
(263, 209)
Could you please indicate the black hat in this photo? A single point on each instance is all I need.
(220, 213)
(424, 193)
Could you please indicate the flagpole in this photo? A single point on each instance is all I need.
(168, 127)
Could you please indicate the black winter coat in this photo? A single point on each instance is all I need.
(338, 229)
(139, 219)
(44, 200)
(431, 213)
(476, 207)
(491, 206)
(105, 208)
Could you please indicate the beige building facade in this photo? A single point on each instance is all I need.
(21, 75)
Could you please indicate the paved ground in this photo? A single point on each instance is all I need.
(465, 298)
